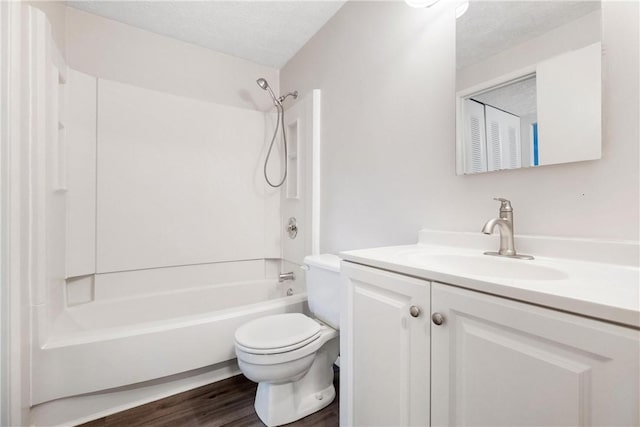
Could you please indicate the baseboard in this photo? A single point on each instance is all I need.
(87, 407)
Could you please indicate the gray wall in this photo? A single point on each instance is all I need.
(387, 73)
(111, 50)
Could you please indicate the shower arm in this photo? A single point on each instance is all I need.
(294, 94)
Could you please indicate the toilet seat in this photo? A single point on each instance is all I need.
(302, 351)
(275, 334)
(278, 350)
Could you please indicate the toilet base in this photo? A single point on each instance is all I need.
(283, 403)
(278, 404)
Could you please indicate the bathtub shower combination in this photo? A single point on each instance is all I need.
(120, 341)
(152, 265)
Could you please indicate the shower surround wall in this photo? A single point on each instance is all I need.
(177, 186)
(179, 182)
(175, 166)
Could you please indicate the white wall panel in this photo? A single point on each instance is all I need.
(80, 132)
(303, 122)
(46, 197)
(272, 218)
(55, 12)
(179, 180)
(132, 284)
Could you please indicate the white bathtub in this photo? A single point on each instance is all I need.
(102, 345)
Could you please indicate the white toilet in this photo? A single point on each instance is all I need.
(291, 355)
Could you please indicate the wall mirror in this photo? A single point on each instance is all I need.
(528, 84)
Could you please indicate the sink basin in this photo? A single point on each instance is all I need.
(488, 266)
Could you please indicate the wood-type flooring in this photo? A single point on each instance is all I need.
(226, 403)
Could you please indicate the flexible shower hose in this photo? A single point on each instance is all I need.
(279, 123)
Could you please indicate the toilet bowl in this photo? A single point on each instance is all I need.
(295, 379)
(291, 355)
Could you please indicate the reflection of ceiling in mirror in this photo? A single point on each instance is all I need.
(489, 27)
(516, 98)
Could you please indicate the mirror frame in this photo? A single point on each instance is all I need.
(527, 71)
(485, 86)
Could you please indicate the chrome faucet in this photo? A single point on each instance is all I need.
(505, 227)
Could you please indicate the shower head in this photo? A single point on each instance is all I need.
(265, 86)
(262, 83)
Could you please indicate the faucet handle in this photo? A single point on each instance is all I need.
(505, 205)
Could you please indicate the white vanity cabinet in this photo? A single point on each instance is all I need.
(384, 339)
(492, 361)
(505, 363)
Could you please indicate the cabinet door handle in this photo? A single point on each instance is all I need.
(437, 318)
(414, 311)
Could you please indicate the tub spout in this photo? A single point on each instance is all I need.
(286, 276)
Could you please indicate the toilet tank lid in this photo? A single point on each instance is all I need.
(327, 261)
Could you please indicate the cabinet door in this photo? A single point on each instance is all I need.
(499, 362)
(384, 349)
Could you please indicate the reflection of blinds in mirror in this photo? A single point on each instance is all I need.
(494, 149)
(476, 143)
(514, 147)
(475, 159)
(504, 151)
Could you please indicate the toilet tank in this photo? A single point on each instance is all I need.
(323, 287)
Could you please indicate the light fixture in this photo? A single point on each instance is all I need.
(462, 8)
(421, 3)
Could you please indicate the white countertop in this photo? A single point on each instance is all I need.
(604, 291)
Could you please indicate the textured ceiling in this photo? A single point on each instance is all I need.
(516, 98)
(265, 32)
(489, 27)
